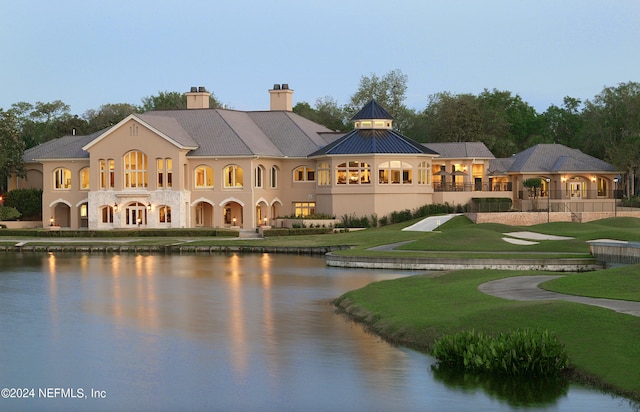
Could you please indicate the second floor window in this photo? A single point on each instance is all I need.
(304, 174)
(135, 170)
(84, 178)
(424, 173)
(324, 174)
(395, 172)
(274, 177)
(165, 172)
(259, 176)
(62, 178)
(107, 174)
(353, 172)
(233, 176)
(204, 177)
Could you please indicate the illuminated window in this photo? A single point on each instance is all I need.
(164, 214)
(204, 177)
(324, 174)
(424, 173)
(304, 174)
(603, 187)
(84, 178)
(395, 172)
(353, 172)
(62, 179)
(304, 208)
(165, 173)
(135, 170)
(84, 210)
(233, 176)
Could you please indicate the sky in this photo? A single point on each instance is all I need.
(89, 53)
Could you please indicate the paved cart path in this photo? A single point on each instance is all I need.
(526, 288)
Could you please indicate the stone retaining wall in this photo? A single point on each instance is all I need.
(554, 265)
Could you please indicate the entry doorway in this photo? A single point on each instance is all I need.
(136, 215)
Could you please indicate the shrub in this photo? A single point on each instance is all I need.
(9, 213)
(27, 201)
(521, 352)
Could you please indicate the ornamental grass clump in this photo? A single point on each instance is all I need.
(519, 352)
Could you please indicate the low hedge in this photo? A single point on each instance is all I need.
(297, 231)
(120, 233)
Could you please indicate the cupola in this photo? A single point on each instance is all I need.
(373, 116)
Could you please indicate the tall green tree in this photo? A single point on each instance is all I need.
(11, 148)
(612, 128)
(563, 124)
(389, 91)
(108, 115)
(325, 112)
(172, 101)
(522, 118)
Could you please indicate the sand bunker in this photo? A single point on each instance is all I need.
(536, 236)
(519, 241)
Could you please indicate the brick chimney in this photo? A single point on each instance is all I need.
(281, 97)
(198, 98)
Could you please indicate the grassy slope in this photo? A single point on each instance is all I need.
(418, 309)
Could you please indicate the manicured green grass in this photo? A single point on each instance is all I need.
(417, 310)
(621, 282)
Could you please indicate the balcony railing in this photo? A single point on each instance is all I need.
(472, 187)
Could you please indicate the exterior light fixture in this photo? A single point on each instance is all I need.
(115, 207)
(265, 221)
(149, 206)
(51, 221)
(234, 221)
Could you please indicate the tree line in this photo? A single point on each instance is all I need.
(606, 126)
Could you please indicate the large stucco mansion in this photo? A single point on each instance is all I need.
(203, 167)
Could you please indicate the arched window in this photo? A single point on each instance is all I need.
(304, 174)
(84, 178)
(62, 179)
(135, 170)
(203, 177)
(324, 174)
(424, 173)
(395, 172)
(259, 176)
(233, 176)
(164, 214)
(353, 172)
(107, 214)
(274, 177)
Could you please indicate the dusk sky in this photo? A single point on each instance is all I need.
(89, 53)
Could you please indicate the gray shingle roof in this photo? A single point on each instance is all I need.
(214, 132)
(552, 158)
(461, 150)
(66, 147)
(373, 141)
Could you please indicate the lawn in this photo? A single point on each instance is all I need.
(417, 310)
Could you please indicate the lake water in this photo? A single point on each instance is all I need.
(221, 332)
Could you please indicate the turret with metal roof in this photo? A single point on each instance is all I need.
(373, 134)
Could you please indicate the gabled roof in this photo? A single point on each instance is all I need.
(210, 132)
(66, 147)
(461, 150)
(551, 158)
(165, 127)
(372, 110)
(373, 141)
